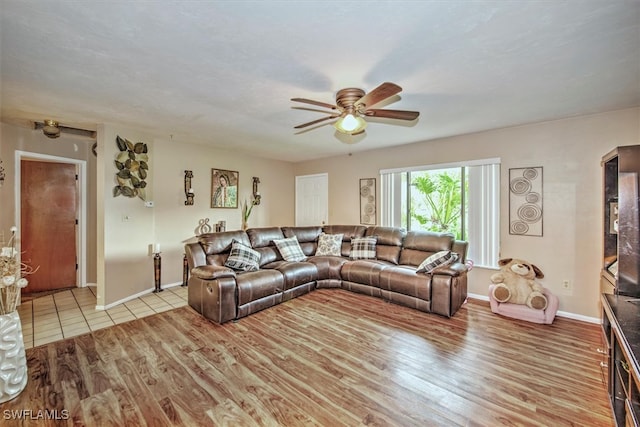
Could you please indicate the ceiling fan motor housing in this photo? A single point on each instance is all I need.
(345, 98)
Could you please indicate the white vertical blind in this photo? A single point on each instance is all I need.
(483, 214)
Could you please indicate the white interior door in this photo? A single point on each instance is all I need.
(312, 199)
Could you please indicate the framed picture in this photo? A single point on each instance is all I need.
(368, 201)
(525, 201)
(224, 188)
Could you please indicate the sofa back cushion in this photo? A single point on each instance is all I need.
(262, 241)
(418, 245)
(217, 246)
(307, 237)
(348, 231)
(389, 243)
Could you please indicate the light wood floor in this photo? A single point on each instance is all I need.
(329, 358)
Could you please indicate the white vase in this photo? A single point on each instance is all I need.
(13, 362)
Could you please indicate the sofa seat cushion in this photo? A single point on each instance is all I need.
(366, 272)
(295, 273)
(405, 280)
(329, 267)
(254, 285)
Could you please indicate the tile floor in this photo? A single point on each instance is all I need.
(73, 312)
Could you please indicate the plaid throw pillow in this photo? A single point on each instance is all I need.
(439, 259)
(329, 245)
(363, 247)
(242, 257)
(290, 249)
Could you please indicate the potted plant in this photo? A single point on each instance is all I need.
(13, 362)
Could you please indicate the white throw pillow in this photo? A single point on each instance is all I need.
(329, 245)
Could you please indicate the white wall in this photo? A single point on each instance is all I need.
(569, 151)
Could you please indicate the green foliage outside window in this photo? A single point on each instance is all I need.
(436, 201)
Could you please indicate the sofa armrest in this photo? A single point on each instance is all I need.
(453, 270)
(211, 272)
(214, 299)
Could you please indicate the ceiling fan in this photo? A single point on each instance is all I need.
(352, 104)
(52, 129)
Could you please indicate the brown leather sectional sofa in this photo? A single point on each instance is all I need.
(221, 294)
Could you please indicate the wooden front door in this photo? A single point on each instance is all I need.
(48, 209)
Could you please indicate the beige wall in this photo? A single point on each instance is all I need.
(569, 151)
(125, 245)
(176, 223)
(118, 252)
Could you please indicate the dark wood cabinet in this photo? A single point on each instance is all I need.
(620, 284)
(621, 346)
(621, 228)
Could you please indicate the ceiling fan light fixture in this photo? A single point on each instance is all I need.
(350, 124)
(51, 129)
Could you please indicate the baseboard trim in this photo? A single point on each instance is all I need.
(565, 314)
(132, 297)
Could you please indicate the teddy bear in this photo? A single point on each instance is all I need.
(515, 284)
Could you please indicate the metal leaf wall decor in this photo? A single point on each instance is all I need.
(132, 163)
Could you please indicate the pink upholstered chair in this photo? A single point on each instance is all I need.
(522, 312)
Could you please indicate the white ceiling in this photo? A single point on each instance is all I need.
(223, 72)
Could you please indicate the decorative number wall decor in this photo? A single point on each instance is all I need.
(368, 201)
(525, 201)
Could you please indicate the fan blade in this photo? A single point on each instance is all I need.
(318, 103)
(333, 116)
(393, 114)
(379, 94)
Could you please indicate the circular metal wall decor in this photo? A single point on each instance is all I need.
(525, 201)
(368, 201)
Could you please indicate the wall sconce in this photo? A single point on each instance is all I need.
(188, 191)
(1, 174)
(256, 193)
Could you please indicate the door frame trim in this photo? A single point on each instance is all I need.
(81, 234)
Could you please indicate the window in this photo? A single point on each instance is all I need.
(461, 198)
